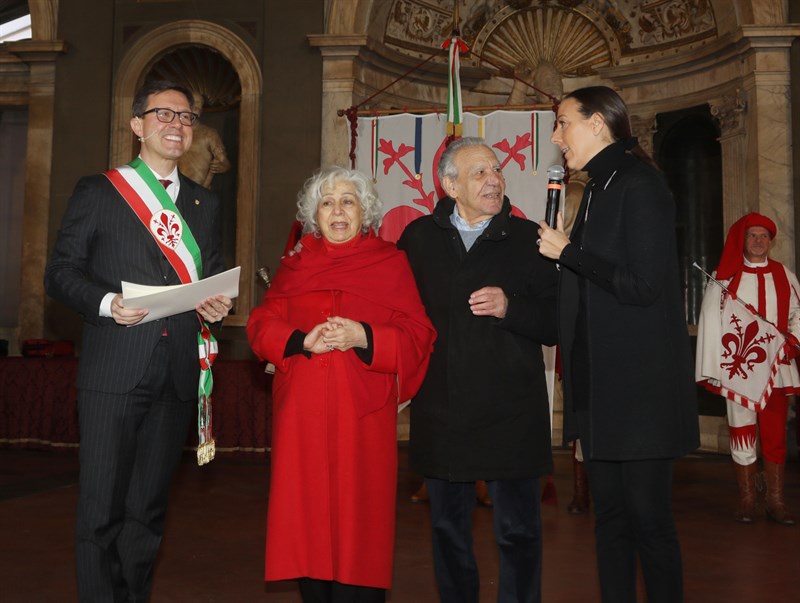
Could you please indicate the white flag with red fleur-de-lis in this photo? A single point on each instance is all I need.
(752, 351)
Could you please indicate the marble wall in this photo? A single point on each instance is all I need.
(662, 57)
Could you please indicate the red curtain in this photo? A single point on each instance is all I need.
(38, 404)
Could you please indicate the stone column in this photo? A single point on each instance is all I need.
(40, 57)
(728, 111)
(768, 119)
(340, 54)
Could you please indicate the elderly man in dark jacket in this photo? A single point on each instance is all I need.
(482, 412)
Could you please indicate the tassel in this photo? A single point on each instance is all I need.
(206, 452)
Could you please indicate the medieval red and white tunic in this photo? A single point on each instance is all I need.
(776, 299)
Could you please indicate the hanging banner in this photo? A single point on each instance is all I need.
(401, 153)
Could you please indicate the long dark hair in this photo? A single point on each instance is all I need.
(609, 104)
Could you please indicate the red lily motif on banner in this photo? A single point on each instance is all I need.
(396, 157)
(515, 152)
(398, 218)
(743, 348)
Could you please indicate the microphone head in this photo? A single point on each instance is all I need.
(555, 172)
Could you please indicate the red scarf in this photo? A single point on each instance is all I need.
(371, 269)
(367, 267)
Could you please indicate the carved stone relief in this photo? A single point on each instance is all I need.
(582, 43)
(636, 26)
(728, 111)
(643, 128)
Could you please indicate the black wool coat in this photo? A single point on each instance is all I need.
(482, 412)
(620, 299)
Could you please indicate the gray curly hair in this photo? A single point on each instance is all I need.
(309, 197)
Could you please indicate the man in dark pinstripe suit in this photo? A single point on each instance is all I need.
(137, 383)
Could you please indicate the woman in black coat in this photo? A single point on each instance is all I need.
(628, 381)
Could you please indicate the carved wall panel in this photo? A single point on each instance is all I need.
(574, 43)
(630, 27)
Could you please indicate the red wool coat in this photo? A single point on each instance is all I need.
(333, 482)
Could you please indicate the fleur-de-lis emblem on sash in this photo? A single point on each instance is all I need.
(743, 348)
(167, 227)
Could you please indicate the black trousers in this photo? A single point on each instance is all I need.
(633, 519)
(130, 446)
(329, 591)
(518, 533)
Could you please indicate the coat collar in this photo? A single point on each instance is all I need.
(610, 161)
(497, 229)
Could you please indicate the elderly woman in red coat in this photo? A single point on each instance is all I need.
(344, 326)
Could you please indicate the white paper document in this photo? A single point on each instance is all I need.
(174, 299)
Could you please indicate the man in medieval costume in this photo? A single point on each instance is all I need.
(746, 342)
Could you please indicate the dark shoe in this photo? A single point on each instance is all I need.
(745, 478)
(776, 505)
(580, 498)
(421, 495)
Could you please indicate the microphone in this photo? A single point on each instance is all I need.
(263, 274)
(153, 133)
(555, 175)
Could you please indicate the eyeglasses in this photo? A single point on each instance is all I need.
(187, 118)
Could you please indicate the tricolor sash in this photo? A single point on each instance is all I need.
(153, 206)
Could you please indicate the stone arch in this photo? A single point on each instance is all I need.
(44, 19)
(137, 61)
(347, 16)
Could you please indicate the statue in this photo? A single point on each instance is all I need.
(544, 76)
(572, 198)
(523, 72)
(206, 156)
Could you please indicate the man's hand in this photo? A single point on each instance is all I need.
(489, 301)
(214, 309)
(125, 316)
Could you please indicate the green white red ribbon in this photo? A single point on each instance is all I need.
(147, 197)
(455, 123)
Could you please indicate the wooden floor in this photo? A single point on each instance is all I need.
(213, 549)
